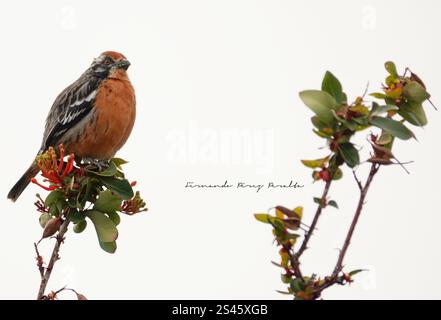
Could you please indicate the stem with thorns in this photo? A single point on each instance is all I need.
(315, 220)
(335, 277)
(54, 257)
(363, 192)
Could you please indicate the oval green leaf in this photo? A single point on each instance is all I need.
(108, 202)
(53, 197)
(395, 128)
(109, 247)
(415, 92)
(121, 186)
(377, 109)
(317, 163)
(119, 162)
(80, 226)
(44, 218)
(321, 103)
(349, 154)
(262, 217)
(391, 68)
(114, 216)
(109, 172)
(413, 112)
(332, 85)
(105, 228)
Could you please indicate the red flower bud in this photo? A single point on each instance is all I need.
(325, 175)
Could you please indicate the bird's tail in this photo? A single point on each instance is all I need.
(24, 181)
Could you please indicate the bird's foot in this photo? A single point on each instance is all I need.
(99, 164)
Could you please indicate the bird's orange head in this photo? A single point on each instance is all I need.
(110, 64)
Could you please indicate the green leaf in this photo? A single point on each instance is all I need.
(321, 103)
(351, 125)
(332, 203)
(109, 172)
(317, 163)
(297, 285)
(262, 217)
(61, 205)
(362, 122)
(284, 292)
(105, 228)
(349, 154)
(120, 186)
(318, 123)
(338, 174)
(298, 211)
(415, 92)
(82, 199)
(377, 109)
(395, 128)
(108, 202)
(384, 139)
(378, 95)
(285, 279)
(354, 272)
(114, 216)
(391, 68)
(266, 218)
(53, 197)
(413, 112)
(119, 162)
(80, 226)
(109, 247)
(278, 225)
(44, 218)
(322, 134)
(76, 216)
(332, 85)
(319, 202)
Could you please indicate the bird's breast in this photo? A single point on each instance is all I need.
(113, 118)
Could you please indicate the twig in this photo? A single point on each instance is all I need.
(363, 192)
(39, 259)
(360, 186)
(434, 107)
(318, 212)
(53, 260)
(365, 90)
(335, 278)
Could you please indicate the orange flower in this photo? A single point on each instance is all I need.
(53, 169)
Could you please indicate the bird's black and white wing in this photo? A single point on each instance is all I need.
(71, 106)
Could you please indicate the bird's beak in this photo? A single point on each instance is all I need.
(122, 64)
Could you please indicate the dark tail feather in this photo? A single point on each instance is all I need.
(24, 181)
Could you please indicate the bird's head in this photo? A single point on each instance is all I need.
(110, 64)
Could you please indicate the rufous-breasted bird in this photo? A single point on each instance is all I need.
(92, 118)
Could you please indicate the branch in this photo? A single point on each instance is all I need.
(363, 192)
(54, 257)
(360, 186)
(39, 259)
(318, 212)
(335, 278)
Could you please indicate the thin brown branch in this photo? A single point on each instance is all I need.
(54, 257)
(295, 265)
(39, 259)
(363, 192)
(360, 186)
(336, 277)
(315, 220)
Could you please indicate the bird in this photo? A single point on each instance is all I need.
(93, 117)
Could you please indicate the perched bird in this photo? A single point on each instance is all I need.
(92, 118)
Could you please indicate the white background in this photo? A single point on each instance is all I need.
(204, 70)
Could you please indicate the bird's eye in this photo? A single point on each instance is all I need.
(107, 62)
